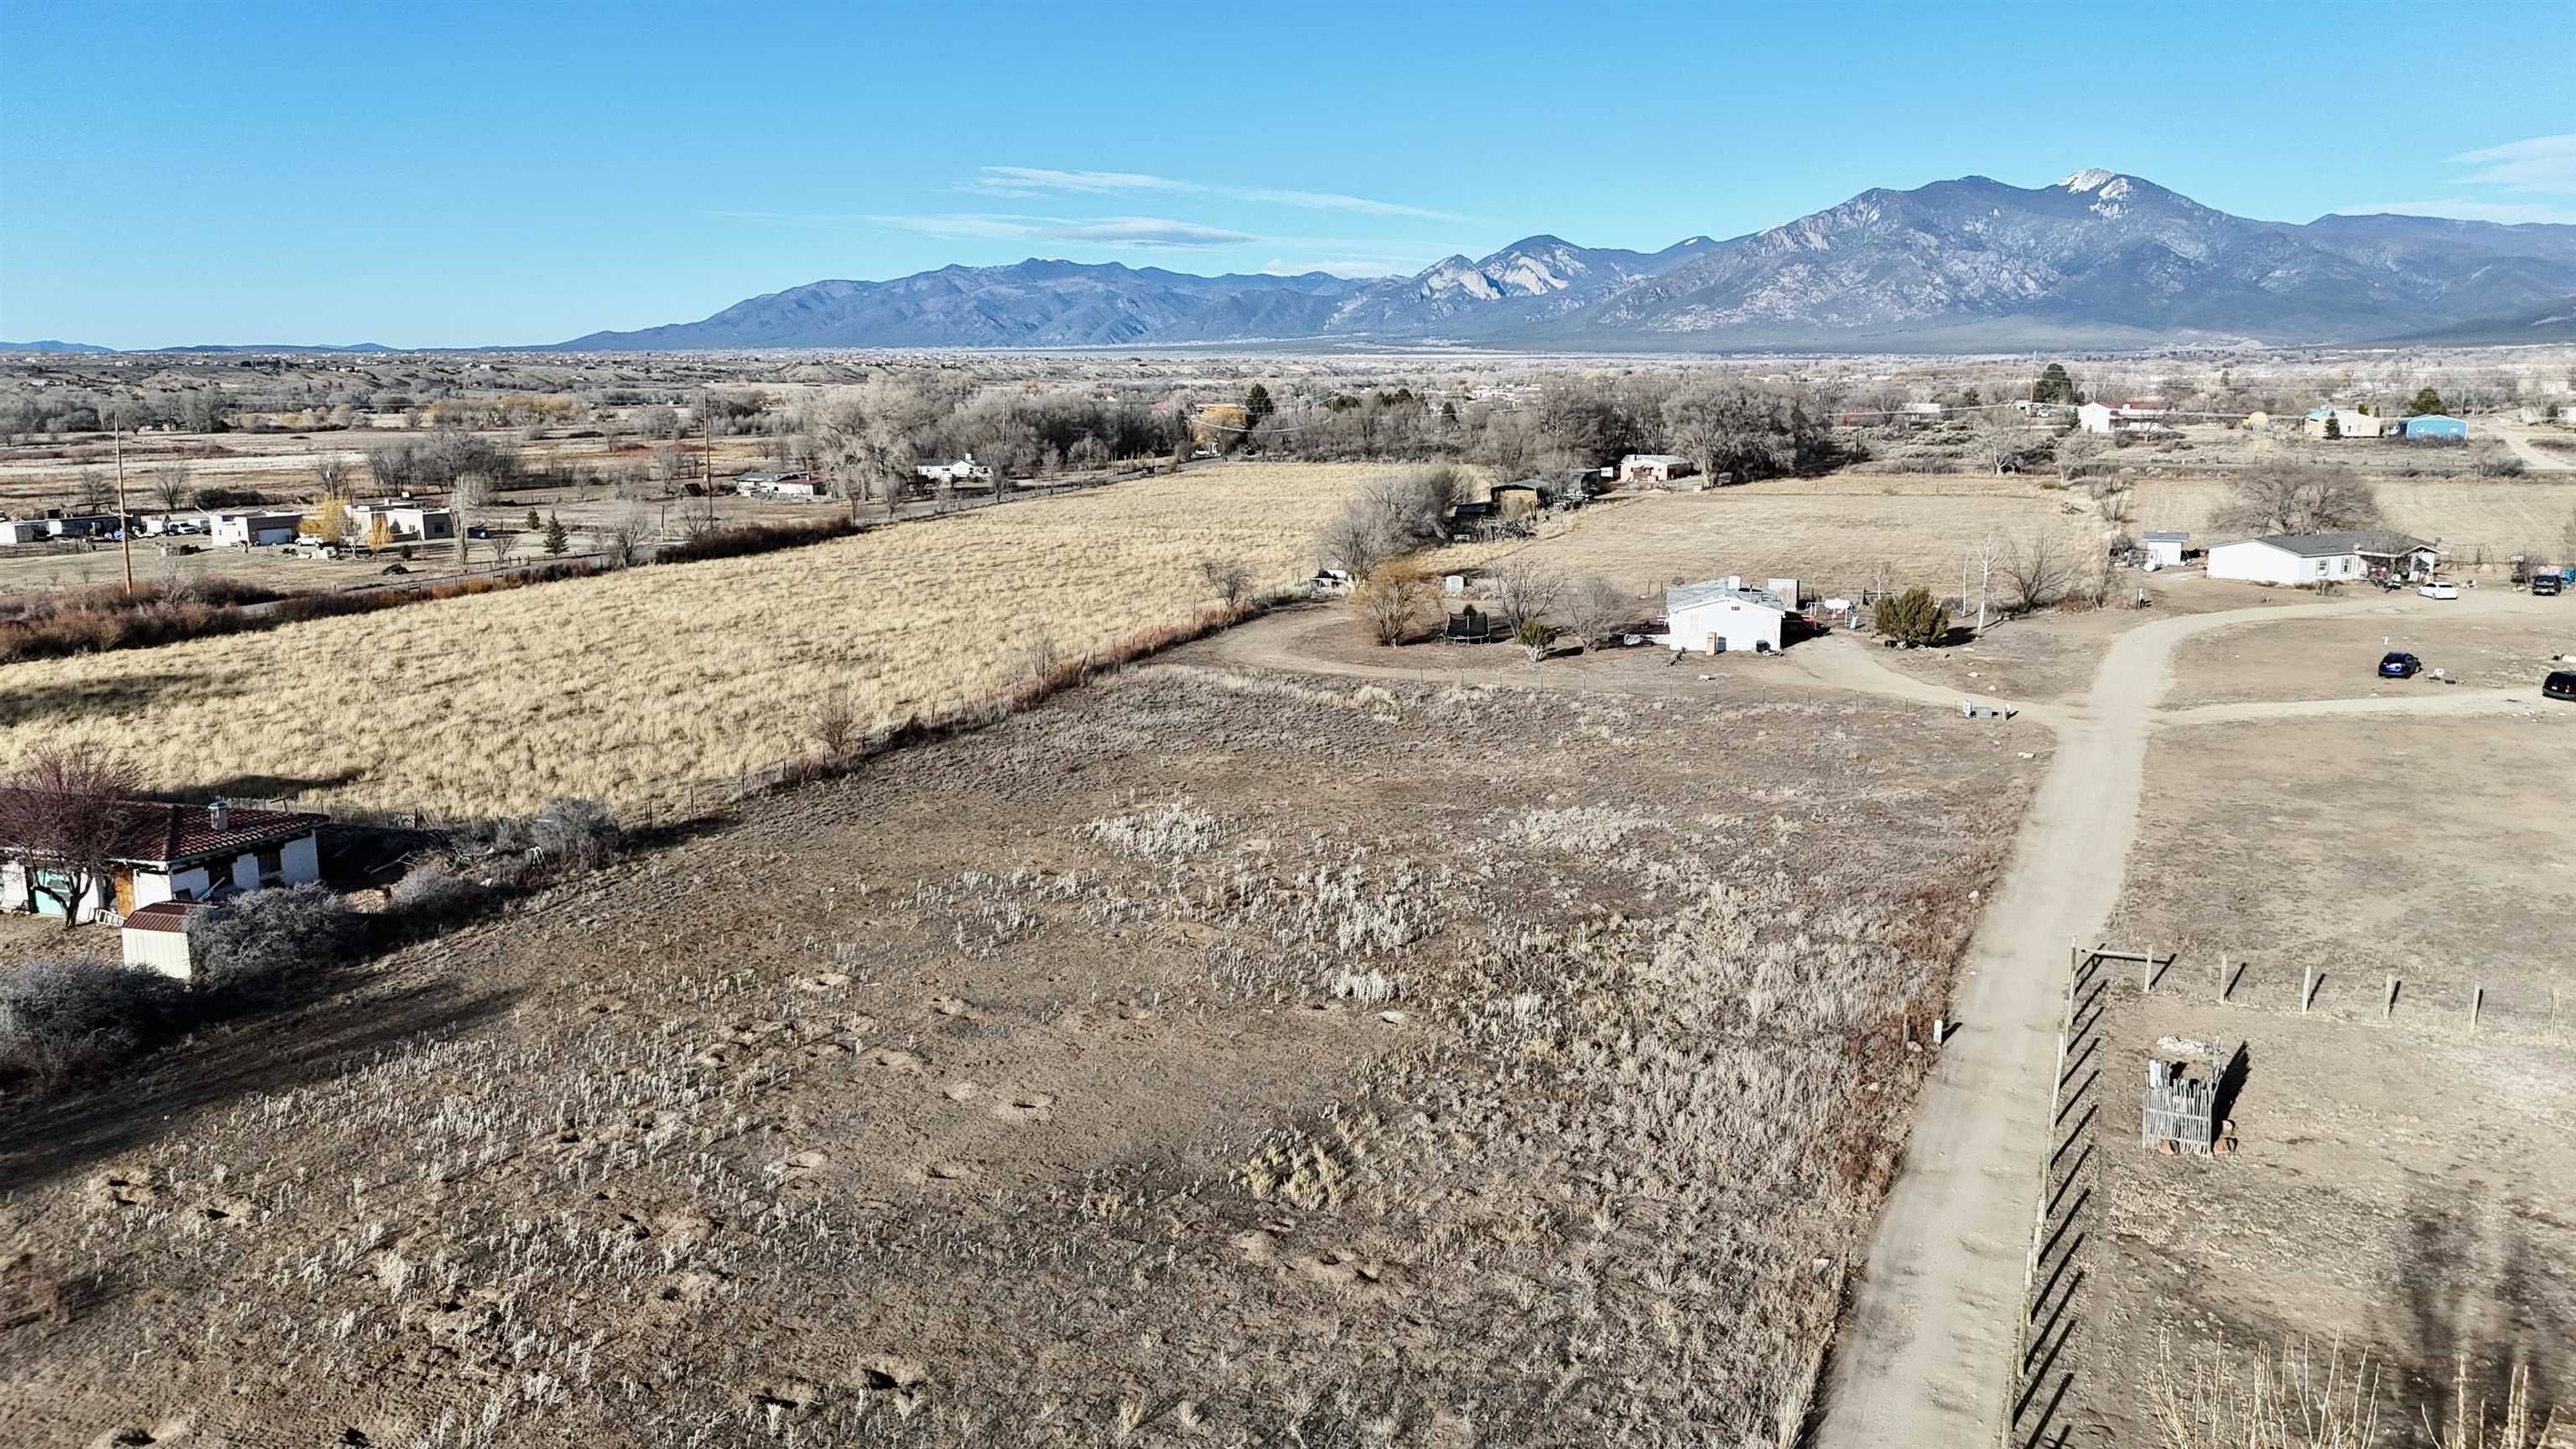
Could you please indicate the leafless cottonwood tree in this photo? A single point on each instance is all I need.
(92, 492)
(65, 812)
(624, 533)
(2297, 498)
(332, 476)
(1996, 446)
(2078, 452)
(470, 493)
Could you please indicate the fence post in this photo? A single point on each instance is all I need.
(2477, 1002)
(2388, 1006)
(2307, 987)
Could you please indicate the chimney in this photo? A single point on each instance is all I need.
(219, 815)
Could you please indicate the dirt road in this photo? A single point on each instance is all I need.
(2539, 460)
(1923, 1359)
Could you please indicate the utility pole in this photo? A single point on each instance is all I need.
(124, 524)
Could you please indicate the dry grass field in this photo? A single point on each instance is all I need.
(1198, 1059)
(630, 686)
(2402, 1185)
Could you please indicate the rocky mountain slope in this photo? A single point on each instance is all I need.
(2098, 258)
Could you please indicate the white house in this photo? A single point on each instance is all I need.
(1721, 615)
(2164, 546)
(249, 529)
(173, 852)
(963, 470)
(406, 520)
(23, 530)
(2307, 558)
(2346, 423)
(1654, 468)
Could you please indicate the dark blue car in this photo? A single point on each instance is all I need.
(2397, 664)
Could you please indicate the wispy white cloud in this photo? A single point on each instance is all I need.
(2541, 167)
(2504, 211)
(1116, 231)
(2541, 163)
(1043, 181)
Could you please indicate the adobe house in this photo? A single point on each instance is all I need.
(175, 852)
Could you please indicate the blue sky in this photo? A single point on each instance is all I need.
(454, 174)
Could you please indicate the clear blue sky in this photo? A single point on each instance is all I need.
(454, 174)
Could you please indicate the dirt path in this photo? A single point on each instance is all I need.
(2539, 460)
(1923, 1357)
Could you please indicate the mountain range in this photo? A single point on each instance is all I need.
(2098, 259)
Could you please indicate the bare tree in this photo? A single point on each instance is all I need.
(469, 493)
(2295, 498)
(1392, 602)
(66, 814)
(2036, 569)
(624, 533)
(1230, 579)
(171, 484)
(92, 492)
(505, 546)
(332, 476)
(1524, 592)
(1996, 445)
(836, 722)
(1598, 612)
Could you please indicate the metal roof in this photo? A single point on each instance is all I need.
(2166, 535)
(2327, 545)
(1691, 596)
(162, 916)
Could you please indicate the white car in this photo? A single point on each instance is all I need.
(2438, 589)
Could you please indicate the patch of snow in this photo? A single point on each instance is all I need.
(2088, 178)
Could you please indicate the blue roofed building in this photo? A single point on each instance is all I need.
(2433, 425)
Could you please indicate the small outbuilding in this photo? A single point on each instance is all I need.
(156, 936)
(1655, 468)
(2164, 545)
(251, 530)
(1721, 615)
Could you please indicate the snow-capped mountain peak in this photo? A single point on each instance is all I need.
(2090, 178)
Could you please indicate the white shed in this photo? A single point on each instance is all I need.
(23, 530)
(249, 529)
(156, 936)
(2164, 545)
(1721, 615)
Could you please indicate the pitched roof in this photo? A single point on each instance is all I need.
(153, 833)
(2166, 535)
(2327, 545)
(163, 916)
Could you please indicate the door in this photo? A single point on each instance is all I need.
(124, 892)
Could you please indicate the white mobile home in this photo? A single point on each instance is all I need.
(1722, 615)
(2308, 558)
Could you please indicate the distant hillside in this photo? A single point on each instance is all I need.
(2098, 259)
(2549, 322)
(52, 346)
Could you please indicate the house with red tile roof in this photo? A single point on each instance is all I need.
(171, 852)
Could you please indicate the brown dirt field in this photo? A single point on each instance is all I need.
(2402, 1185)
(2339, 658)
(1206, 1056)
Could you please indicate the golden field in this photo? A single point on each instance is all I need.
(631, 686)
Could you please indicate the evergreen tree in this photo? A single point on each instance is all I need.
(533, 523)
(1257, 405)
(2054, 386)
(2426, 401)
(557, 540)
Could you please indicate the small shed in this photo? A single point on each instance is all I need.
(23, 530)
(156, 936)
(2164, 545)
(1654, 468)
(2434, 426)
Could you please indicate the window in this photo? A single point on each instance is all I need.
(272, 866)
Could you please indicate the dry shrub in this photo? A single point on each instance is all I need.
(67, 1016)
(274, 939)
(1393, 601)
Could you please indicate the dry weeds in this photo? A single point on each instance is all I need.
(628, 687)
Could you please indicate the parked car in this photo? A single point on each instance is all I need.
(393, 569)
(2547, 583)
(2439, 589)
(2398, 664)
(2561, 684)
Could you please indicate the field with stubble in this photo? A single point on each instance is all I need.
(1202, 1058)
(630, 687)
